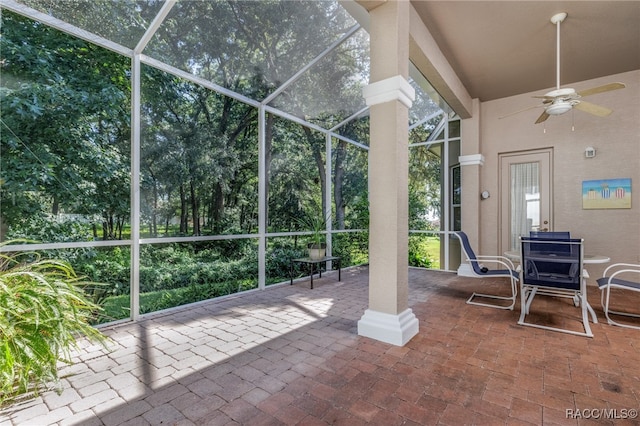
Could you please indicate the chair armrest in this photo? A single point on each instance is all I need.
(502, 260)
(621, 268)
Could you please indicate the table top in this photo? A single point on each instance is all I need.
(587, 258)
(310, 260)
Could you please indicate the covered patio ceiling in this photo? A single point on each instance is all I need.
(505, 48)
(498, 49)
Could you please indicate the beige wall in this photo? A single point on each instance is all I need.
(617, 140)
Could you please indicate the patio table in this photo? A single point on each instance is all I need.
(586, 258)
(312, 266)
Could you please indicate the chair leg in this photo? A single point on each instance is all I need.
(604, 301)
(585, 315)
(526, 298)
(529, 299)
(523, 303)
(512, 298)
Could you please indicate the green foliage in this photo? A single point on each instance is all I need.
(180, 265)
(66, 141)
(278, 257)
(425, 164)
(105, 265)
(118, 306)
(65, 145)
(316, 221)
(48, 228)
(43, 310)
(352, 247)
(424, 251)
(65, 126)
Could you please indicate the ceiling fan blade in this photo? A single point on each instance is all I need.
(593, 109)
(543, 117)
(519, 111)
(601, 89)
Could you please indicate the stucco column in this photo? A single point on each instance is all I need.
(389, 95)
(471, 160)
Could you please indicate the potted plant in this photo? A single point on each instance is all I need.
(44, 310)
(316, 222)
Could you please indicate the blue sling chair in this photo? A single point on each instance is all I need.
(505, 269)
(553, 267)
(550, 234)
(619, 276)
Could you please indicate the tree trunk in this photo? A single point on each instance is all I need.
(195, 212)
(218, 207)
(4, 228)
(317, 157)
(107, 226)
(154, 215)
(338, 183)
(184, 227)
(268, 138)
(169, 214)
(120, 225)
(55, 207)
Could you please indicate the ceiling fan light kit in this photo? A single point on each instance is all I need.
(559, 107)
(562, 100)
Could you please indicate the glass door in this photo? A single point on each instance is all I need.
(526, 202)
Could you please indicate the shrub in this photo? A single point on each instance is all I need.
(43, 310)
(421, 251)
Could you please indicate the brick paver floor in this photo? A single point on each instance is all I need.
(290, 355)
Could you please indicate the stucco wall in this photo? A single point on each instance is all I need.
(615, 233)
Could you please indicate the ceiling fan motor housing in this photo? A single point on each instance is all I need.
(567, 92)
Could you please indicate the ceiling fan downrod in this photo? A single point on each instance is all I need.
(557, 19)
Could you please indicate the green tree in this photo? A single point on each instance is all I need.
(65, 127)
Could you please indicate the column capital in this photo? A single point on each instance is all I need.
(471, 160)
(395, 88)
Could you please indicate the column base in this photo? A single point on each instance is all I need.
(394, 329)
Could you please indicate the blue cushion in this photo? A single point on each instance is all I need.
(500, 272)
(604, 281)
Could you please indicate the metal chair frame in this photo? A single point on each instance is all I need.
(566, 253)
(607, 282)
(477, 263)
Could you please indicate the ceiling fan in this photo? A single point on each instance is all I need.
(559, 101)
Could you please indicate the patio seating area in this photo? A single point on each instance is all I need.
(291, 355)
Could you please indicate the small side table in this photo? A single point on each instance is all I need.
(313, 264)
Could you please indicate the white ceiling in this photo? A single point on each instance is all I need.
(503, 48)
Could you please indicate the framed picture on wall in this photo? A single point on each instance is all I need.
(606, 194)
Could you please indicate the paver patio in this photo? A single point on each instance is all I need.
(290, 355)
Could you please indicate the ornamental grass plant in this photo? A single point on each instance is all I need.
(44, 310)
(316, 221)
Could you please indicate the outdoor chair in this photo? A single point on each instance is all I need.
(550, 234)
(479, 269)
(613, 279)
(553, 267)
